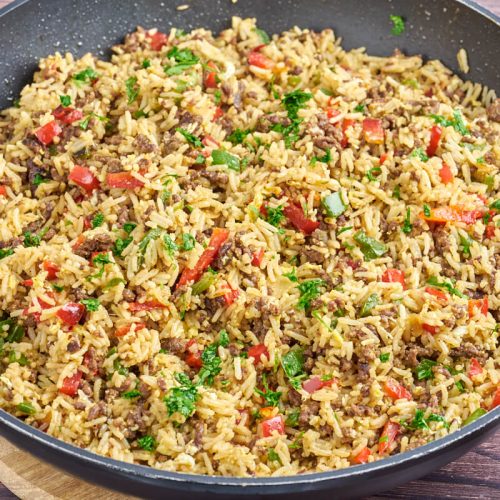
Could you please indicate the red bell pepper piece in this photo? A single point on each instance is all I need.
(193, 359)
(123, 330)
(373, 131)
(267, 427)
(123, 180)
(315, 384)
(394, 276)
(51, 268)
(475, 368)
(496, 399)
(47, 133)
(67, 115)
(257, 257)
(28, 282)
(256, 351)
(231, 295)
(346, 123)
(255, 58)
(158, 40)
(436, 132)
(295, 214)
(362, 456)
(388, 436)
(446, 174)
(71, 313)
(439, 294)
(84, 178)
(219, 236)
(149, 305)
(395, 390)
(383, 158)
(331, 112)
(490, 231)
(70, 384)
(452, 214)
(210, 80)
(217, 113)
(3, 190)
(432, 329)
(478, 305)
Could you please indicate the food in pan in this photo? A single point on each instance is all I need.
(249, 256)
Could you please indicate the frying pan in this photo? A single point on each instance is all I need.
(437, 29)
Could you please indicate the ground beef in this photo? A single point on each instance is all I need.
(93, 361)
(363, 371)
(468, 350)
(294, 397)
(327, 136)
(123, 216)
(267, 122)
(199, 429)
(98, 243)
(112, 164)
(212, 305)
(98, 410)
(143, 144)
(216, 178)
(359, 411)
(441, 239)
(309, 409)
(173, 345)
(33, 144)
(79, 294)
(187, 118)
(345, 365)
(128, 295)
(412, 351)
(313, 256)
(73, 346)
(34, 173)
(493, 110)
(136, 419)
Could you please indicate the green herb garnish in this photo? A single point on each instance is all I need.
(398, 25)
(192, 139)
(220, 157)
(65, 100)
(309, 291)
(407, 225)
(91, 304)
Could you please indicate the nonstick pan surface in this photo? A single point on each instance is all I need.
(31, 29)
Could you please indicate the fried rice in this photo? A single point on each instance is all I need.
(242, 256)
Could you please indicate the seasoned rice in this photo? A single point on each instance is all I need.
(228, 259)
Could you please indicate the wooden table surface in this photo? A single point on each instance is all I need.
(475, 475)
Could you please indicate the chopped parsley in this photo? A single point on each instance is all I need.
(91, 304)
(446, 285)
(384, 357)
(396, 192)
(121, 244)
(420, 421)
(132, 89)
(220, 157)
(39, 179)
(33, 240)
(292, 102)
(5, 252)
(151, 235)
(457, 122)
(427, 210)
(292, 275)
(309, 291)
(188, 242)
(147, 443)
(211, 361)
(134, 393)
(360, 108)
(65, 100)
(370, 247)
(465, 243)
(424, 369)
(272, 456)
(407, 225)
(271, 398)
(495, 205)
(146, 63)
(398, 25)
(326, 158)
(371, 302)
(293, 366)
(182, 399)
(184, 59)
(238, 135)
(262, 35)
(192, 139)
(98, 220)
(99, 260)
(373, 173)
(13, 331)
(86, 76)
(170, 245)
(292, 419)
(275, 215)
(420, 154)
(128, 227)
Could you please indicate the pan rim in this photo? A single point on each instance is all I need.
(10, 424)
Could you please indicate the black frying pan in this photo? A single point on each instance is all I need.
(438, 29)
